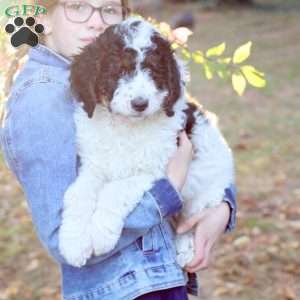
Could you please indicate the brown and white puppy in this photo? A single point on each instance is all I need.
(130, 88)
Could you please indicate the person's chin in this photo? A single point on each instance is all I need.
(77, 50)
(85, 43)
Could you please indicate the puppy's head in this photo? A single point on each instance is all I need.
(131, 69)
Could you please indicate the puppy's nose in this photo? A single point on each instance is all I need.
(139, 104)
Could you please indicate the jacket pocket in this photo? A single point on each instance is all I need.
(150, 242)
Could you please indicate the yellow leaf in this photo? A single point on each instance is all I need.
(165, 28)
(174, 46)
(253, 76)
(186, 54)
(208, 72)
(216, 51)
(238, 83)
(242, 53)
(198, 57)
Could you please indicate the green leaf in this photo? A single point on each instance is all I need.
(216, 51)
(238, 83)
(221, 74)
(186, 54)
(242, 53)
(253, 76)
(208, 71)
(225, 60)
(198, 57)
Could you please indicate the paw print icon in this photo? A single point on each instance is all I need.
(22, 34)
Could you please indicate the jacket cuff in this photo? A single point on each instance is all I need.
(230, 198)
(167, 197)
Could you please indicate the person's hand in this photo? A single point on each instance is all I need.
(209, 226)
(178, 165)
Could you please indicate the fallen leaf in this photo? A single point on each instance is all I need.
(288, 293)
(241, 241)
(32, 265)
(221, 291)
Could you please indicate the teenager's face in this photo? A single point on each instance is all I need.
(67, 37)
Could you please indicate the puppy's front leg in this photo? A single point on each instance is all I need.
(75, 240)
(115, 201)
(184, 242)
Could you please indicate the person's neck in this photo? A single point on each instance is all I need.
(51, 45)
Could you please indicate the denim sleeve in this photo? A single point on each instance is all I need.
(230, 198)
(39, 140)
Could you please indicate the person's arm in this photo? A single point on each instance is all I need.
(39, 143)
(210, 223)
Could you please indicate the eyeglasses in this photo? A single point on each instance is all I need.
(80, 12)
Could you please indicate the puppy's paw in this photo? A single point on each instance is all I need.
(184, 248)
(183, 258)
(76, 247)
(106, 231)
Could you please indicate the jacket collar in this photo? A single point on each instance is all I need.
(47, 56)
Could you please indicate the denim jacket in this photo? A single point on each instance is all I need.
(38, 142)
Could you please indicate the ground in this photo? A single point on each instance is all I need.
(260, 258)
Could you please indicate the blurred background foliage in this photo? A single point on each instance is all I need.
(260, 259)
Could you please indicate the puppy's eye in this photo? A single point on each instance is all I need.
(153, 60)
(150, 64)
(129, 52)
(127, 61)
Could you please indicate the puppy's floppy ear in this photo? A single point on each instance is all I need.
(164, 57)
(173, 84)
(173, 79)
(83, 79)
(86, 78)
